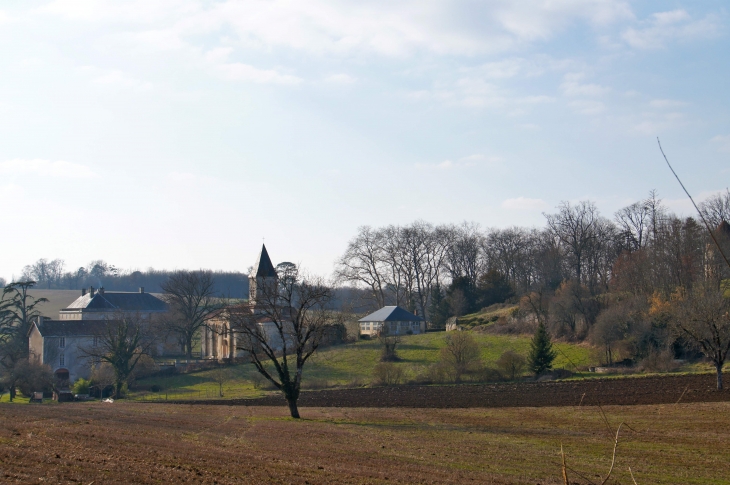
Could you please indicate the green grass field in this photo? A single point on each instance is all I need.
(353, 365)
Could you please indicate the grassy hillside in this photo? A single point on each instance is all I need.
(353, 364)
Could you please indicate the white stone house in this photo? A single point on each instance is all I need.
(398, 321)
(60, 343)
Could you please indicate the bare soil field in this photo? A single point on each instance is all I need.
(158, 443)
(588, 392)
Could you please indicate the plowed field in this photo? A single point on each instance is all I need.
(123, 443)
(588, 392)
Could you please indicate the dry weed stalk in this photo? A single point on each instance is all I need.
(565, 467)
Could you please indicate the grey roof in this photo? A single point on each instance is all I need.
(118, 300)
(263, 267)
(71, 328)
(392, 314)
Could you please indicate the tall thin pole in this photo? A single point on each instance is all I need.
(712, 234)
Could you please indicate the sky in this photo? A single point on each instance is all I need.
(182, 133)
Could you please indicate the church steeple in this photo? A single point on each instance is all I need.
(262, 276)
(263, 267)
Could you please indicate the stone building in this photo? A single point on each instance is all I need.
(99, 304)
(218, 340)
(60, 343)
(398, 321)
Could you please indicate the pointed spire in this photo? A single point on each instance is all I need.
(263, 267)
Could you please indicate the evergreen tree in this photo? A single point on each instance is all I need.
(541, 351)
(438, 311)
(493, 287)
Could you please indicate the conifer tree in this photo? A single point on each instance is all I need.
(541, 351)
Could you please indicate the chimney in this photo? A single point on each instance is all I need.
(91, 291)
(83, 291)
(141, 289)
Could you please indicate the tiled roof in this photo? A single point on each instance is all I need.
(117, 300)
(71, 328)
(391, 314)
(264, 268)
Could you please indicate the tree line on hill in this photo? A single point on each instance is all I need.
(54, 275)
(618, 283)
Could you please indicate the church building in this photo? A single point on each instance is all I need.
(218, 339)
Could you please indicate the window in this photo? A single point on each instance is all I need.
(62, 360)
(62, 342)
(96, 341)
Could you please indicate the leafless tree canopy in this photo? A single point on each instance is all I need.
(703, 318)
(461, 353)
(121, 343)
(716, 209)
(191, 298)
(290, 320)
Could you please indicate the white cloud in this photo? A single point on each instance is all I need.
(666, 103)
(587, 106)
(723, 142)
(11, 191)
(654, 125)
(524, 204)
(217, 60)
(665, 27)
(45, 168)
(120, 80)
(340, 78)
(331, 26)
(572, 86)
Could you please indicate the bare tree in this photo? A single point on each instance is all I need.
(362, 263)
(703, 318)
(191, 298)
(461, 353)
(574, 227)
(44, 272)
(221, 374)
(290, 320)
(464, 256)
(634, 223)
(122, 342)
(512, 363)
(389, 341)
(716, 209)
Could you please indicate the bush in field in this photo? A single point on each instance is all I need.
(461, 354)
(511, 364)
(32, 377)
(658, 361)
(387, 374)
(430, 374)
(81, 386)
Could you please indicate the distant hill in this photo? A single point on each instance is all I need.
(57, 300)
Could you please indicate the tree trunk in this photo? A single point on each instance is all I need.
(293, 410)
(118, 390)
(12, 393)
(189, 348)
(719, 377)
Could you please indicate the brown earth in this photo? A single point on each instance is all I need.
(666, 389)
(144, 443)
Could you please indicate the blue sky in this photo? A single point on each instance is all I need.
(179, 133)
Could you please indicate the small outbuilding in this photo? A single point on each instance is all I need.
(398, 321)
